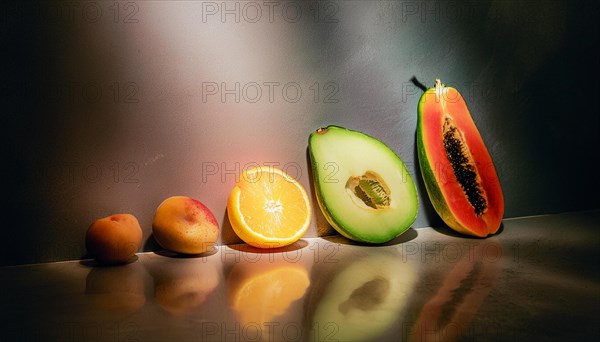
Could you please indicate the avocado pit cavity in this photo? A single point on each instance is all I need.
(369, 190)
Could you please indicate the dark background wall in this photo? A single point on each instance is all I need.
(112, 107)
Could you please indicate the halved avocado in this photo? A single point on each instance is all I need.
(363, 188)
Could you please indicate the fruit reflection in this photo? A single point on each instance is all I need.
(447, 315)
(259, 293)
(117, 289)
(363, 299)
(182, 287)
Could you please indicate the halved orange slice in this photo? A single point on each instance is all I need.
(268, 208)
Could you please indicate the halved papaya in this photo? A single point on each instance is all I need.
(458, 171)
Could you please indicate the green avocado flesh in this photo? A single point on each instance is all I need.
(363, 188)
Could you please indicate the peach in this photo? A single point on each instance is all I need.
(114, 239)
(184, 225)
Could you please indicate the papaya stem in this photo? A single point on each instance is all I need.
(438, 88)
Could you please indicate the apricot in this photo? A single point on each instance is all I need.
(114, 239)
(185, 225)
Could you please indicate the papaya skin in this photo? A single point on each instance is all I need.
(447, 197)
(434, 191)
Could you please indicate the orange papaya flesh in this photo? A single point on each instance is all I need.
(457, 169)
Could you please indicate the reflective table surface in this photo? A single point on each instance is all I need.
(537, 279)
